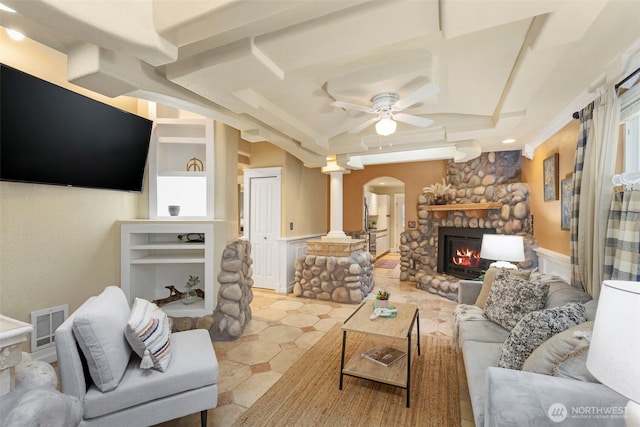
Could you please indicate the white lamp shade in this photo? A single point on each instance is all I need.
(501, 247)
(614, 352)
(386, 126)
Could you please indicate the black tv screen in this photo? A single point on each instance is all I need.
(51, 135)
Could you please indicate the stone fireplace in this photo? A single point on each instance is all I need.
(487, 197)
(459, 251)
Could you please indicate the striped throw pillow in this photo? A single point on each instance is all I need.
(149, 334)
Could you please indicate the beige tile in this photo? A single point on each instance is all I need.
(249, 391)
(254, 326)
(287, 305)
(315, 309)
(224, 416)
(232, 374)
(267, 314)
(325, 324)
(309, 339)
(280, 334)
(285, 359)
(300, 320)
(254, 352)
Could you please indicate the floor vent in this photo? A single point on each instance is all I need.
(45, 322)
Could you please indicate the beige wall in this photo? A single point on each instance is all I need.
(304, 191)
(415, 176)
(547, 232)
(58, 245)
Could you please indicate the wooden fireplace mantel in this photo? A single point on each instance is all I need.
(474, 210)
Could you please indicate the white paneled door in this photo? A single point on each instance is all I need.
(264, 230)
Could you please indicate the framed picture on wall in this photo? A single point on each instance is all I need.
(566, 188)
(550, 176)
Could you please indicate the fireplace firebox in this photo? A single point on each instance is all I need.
(459, 251)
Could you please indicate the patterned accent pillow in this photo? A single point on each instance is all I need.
(512, 297)
(534, 329)
(149, 334)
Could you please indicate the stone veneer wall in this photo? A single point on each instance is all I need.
(492, 177)
(345, 279)
(233, 310)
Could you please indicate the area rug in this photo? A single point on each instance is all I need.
(308, 393)
(386, 263)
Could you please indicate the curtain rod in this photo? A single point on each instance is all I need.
(627, 78)
(576, 115)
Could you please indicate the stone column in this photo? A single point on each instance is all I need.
(335, 226)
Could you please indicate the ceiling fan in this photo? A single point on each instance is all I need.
(387, 105)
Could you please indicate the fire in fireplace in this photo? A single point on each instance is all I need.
(459, 251)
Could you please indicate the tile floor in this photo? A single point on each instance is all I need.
(283, 327)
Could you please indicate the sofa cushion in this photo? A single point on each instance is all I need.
(512, 297)
(149, 334)
(560, 292)
(489, 277)
(478, 357)
(534, 329)
(99, 330)
(481, 330)
(193, 365)
(564, 354)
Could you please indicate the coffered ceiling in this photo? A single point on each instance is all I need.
(271, 68)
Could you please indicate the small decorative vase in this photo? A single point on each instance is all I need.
(382, 303)
(189, 296)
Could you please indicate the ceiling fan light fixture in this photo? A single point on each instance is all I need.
(386, 126)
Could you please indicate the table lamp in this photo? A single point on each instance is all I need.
(614, 352)
(502, 249)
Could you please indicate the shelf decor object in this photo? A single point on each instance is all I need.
(615, 349)
(195, 165)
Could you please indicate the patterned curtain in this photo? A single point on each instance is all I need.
(595, 163)
(622, 253)
(586, 123)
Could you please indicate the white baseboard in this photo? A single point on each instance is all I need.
(45, 355)
(550, 262)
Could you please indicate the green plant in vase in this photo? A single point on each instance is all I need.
(190, 296)
(382, 298)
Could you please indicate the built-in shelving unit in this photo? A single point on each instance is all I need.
(178, 138)
(474, 210)
(153, 256)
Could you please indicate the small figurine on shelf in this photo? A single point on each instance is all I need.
(382, 298)
(190, 296)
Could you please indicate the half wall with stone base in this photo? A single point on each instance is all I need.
(347, 279)
(233, 310)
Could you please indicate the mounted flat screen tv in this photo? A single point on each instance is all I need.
(51, 135)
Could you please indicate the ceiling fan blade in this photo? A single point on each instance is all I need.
(348, 106)
(413, 120)
(363, 125)
(416, 96)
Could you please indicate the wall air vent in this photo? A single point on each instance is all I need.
(45, 322)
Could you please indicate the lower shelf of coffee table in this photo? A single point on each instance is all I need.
(361, 367)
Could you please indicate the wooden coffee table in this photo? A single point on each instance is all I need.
(395, 331)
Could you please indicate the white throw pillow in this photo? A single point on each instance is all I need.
(149, 334)
(98, 330)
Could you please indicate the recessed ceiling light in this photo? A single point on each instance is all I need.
(6, 8)
(16, 35)
(508, 141)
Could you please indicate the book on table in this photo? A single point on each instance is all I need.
(384, 354)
